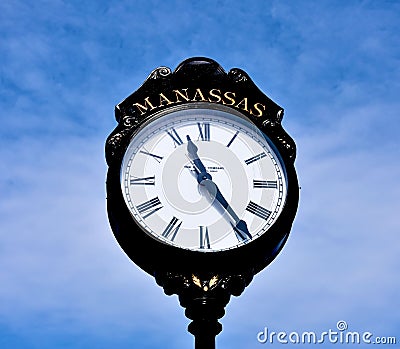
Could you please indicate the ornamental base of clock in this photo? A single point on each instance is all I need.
(204, 297)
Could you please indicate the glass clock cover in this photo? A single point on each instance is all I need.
(203, 178)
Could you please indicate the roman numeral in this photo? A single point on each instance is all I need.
(158, 158)
(255, 158)
(149, 207)
(175, 137)
(172, 228)
(258, 210)
(232, 139)
(204, 130)
(258, 183)
(204, 238)
(143, 181)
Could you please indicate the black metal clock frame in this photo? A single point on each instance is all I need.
(204, 282)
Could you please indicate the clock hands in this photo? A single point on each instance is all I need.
(205, 180)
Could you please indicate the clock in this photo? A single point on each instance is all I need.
(201, 173)
(203, 178)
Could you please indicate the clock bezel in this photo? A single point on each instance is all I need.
(200, 106)
(153, 255)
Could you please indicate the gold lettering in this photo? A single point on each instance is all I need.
(258, 107)
(180, 94)
(244, 102)
(164, 99)
(217, 96)
(198, 93)
(143, 108)
(226, 95)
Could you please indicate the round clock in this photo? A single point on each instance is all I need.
(201, 172)
(203, 178)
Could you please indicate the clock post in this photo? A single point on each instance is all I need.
(204, 297)
(201, 185)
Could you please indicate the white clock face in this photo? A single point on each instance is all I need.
(203, 179)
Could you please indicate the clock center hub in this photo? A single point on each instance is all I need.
(180, 186)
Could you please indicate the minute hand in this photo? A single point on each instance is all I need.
(240, 226)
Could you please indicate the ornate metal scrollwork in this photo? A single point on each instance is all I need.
(238, 75)
(159, 72)
(114, 145)
(174, 283)
(131, 121)
(275, 127)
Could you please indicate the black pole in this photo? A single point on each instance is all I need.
(205, 312)
(204, 333)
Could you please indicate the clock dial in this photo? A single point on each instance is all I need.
(203, 179)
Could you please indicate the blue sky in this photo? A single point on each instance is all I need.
(335, 68)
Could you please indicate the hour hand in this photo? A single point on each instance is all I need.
(192, 152)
